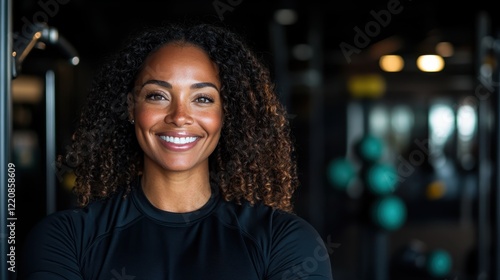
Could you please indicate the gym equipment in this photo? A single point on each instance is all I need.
(416, 259)
(341, 173)
(369, 148)
(388, 212)
(381, 179)
(438, 263)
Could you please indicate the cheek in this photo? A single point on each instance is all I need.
(212, 122)
(145, 117)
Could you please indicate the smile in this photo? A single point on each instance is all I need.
(178, 140)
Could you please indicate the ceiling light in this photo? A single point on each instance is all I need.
(430, 63)
(391, 63)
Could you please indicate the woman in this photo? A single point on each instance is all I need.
(184, 171)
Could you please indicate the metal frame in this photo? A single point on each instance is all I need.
(5, 123)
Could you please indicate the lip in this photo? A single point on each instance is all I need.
(178, 147)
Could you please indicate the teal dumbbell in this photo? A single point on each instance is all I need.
(438, 263)
(369, 148)
(341, 173)
(388, 212)
(380, 179)
(417, 260)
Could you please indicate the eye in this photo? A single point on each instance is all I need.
(155, 96)
(204, 99)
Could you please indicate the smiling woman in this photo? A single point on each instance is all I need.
(178, 119)
(184, 168)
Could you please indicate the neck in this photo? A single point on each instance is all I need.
(177, 192)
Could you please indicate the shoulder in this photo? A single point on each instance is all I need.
(288, 223)
(298, 251)
(268, 225)
(94, 219)
(62, 222)
(293, 233)
(291, 246)
(250, 215)
(56, 243)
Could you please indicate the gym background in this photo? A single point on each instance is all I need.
(394, 106)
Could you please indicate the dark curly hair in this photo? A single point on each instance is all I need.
(254, 158)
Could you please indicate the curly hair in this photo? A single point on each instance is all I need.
(254, 159)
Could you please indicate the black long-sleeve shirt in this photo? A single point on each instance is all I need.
(128, 238)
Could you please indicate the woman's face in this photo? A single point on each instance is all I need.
(177, 108)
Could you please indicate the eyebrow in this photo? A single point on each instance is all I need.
(169, 86)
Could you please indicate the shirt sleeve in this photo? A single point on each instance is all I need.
(297, 251)
(49, 251)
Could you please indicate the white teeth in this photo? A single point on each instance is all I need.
(178, 140)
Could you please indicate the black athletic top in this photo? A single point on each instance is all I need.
(129, 239)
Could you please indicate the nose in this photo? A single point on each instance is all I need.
(178, 114)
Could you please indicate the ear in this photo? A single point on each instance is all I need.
(130, 106)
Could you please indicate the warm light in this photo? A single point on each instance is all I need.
(369, 85)
(435, 190)
(430, 63)
(444, 49)
(391, 63)
(26, 88)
